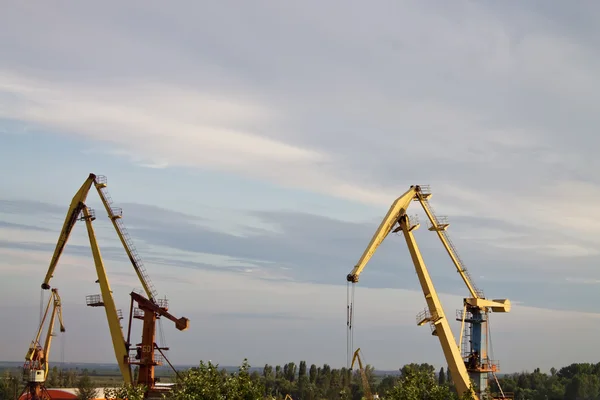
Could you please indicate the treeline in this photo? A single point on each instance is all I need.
(310, 383)
(579, 381)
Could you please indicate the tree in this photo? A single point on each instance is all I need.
(10, 386)
(312, 373)
(125, 391)
(442, 377)
(268, 371)
(207, 383)
(85, 388)
(53, 377)
(417, 382)
(289, 371)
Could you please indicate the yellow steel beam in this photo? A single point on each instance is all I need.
(109, 303)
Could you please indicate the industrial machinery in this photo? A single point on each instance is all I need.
(149, 309)
(149, 312)
(363, 375)
(36, 367)
(471, 369)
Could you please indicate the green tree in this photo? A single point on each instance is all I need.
(53, 378)
(442, 377)
(10, 386)
(418, 382)
(302, 369)
(207, 383)
(312, 373)
(86, 389)
(386, 384)
(125, 391)
(582, 386)
(289, 371)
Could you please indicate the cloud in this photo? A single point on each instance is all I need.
(10, 225)
(302, 247)
(474, 119)
(491, 104)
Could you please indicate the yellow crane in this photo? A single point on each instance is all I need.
(78, 210)
(434, 314)
(363, 374)
(36, 365)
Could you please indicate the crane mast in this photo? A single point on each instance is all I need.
(36, 367)
(473, 364)
(107, 301)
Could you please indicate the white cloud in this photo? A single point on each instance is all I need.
(150, 131)
(489, 104)
(164, 122)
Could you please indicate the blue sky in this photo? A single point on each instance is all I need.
(255, 147)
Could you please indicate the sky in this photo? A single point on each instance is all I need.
(255, 147)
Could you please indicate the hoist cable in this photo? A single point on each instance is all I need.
(349, 323)
(41, 305)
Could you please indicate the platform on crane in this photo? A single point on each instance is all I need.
(94, 300)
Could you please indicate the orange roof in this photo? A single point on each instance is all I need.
(65, 394)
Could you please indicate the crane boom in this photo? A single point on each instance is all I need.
(396, 210)
(56, 311)
(181, 324)
(77, 204)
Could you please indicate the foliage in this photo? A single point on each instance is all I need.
(206, 382)
(86, 389)
(62, 377)
(10, 385)
(419, 382)
(579, 381)
(125, 391)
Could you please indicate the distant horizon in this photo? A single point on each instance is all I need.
(232, 367)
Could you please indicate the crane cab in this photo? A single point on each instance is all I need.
(37, 375)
